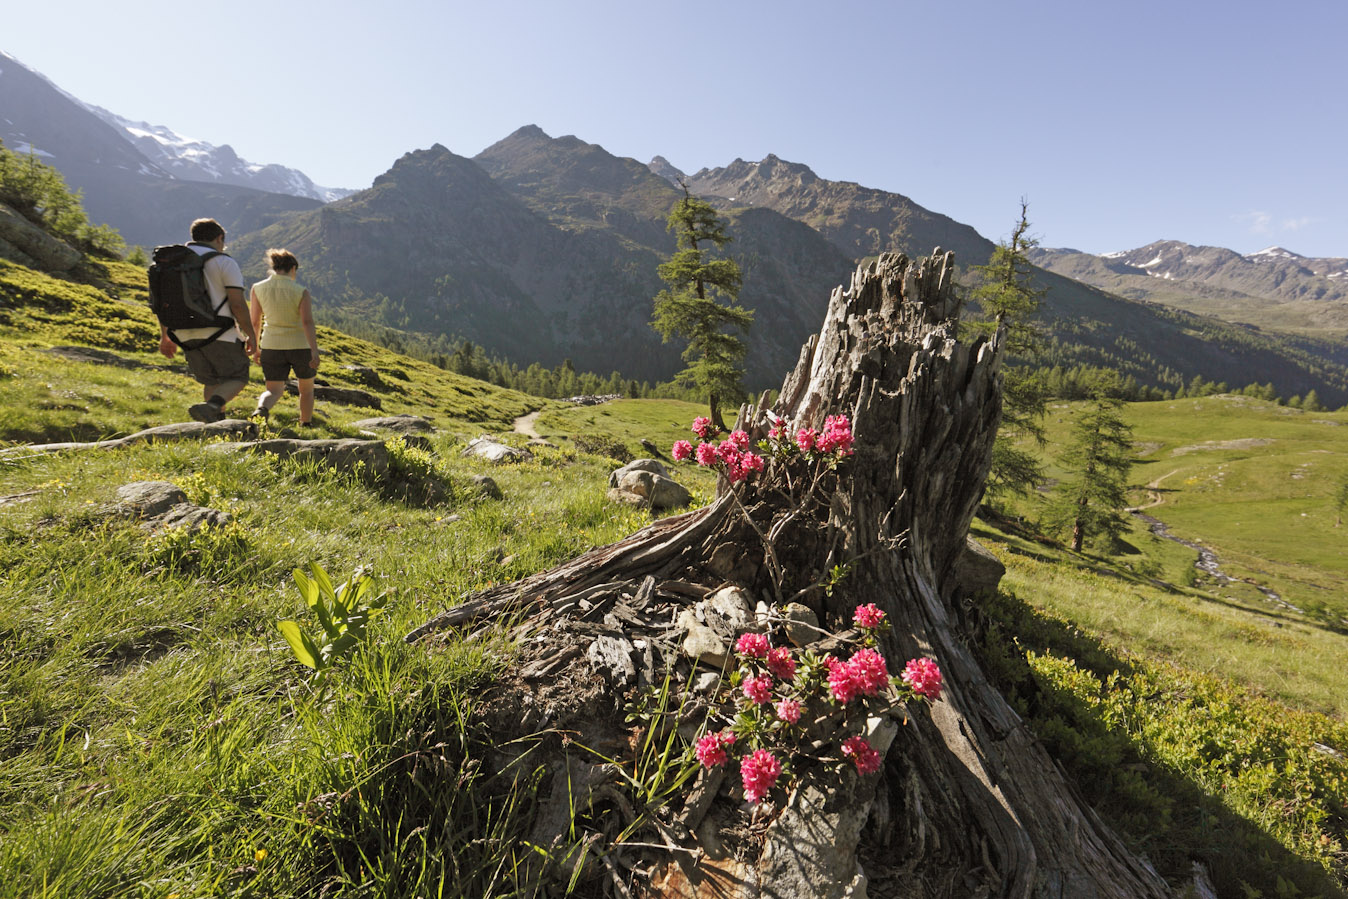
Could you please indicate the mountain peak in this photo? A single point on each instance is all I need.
(666, 169)
(1275, 253)
(527, 132)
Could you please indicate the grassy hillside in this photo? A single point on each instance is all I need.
(158, 738)
(110, 312)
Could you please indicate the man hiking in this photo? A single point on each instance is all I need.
(217, 357)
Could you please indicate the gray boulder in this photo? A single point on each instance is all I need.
(188, 517)
(976, 570)
(49, 253)
(651, 465)
(162, 506)
(148, 499)
(647, 488)
(495, 452)
(400, 424)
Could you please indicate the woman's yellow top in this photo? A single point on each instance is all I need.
(280, 298)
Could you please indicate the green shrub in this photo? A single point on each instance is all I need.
(37, 191)
(600, 445)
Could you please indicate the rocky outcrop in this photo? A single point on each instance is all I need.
(345, 454)
(161, 505)
(27, 244)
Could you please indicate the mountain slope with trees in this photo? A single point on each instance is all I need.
(439, 245)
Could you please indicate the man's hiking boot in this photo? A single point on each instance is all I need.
(206, 412)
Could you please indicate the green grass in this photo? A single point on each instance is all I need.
(157, 737)
(49, 399)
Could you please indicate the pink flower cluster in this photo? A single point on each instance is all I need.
(835, 438)
(789, 711)
(758, 689)
(868, 616)
(759, 771)
(732, 454)
(924, 677)
(865, 674)
(754, 646)
(781, 664)
(710, 749)
(863, 754)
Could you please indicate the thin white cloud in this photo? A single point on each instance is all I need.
(1297, 224)
(1258, 222)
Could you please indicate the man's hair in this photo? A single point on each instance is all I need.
(282, 261)
(206, 230)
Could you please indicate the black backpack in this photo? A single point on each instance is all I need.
(178, 294)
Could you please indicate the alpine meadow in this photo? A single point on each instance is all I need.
(731, 534)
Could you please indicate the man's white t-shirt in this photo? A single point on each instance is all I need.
(221, 272)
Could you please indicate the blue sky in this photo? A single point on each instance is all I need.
(1222, 123)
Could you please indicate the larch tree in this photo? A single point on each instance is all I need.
(1092, 501)
(1008, 299)
(699, 305)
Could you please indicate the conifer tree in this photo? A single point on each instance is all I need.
(1007, 295)
(1092, 501)
(699, 304)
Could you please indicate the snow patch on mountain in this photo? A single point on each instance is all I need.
(196, 160)
(1270, 253)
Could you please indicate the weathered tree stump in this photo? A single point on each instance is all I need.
(967, 802)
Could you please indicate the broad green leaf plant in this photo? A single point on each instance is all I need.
(343, 614)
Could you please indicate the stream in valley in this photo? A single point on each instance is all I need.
(1208, 564)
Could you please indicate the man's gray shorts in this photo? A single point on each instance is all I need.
(217, 362)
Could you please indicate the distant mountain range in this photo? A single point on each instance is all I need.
(1273, 289)
(146, 181)
(542, 249)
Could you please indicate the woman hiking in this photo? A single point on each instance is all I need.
(282, 312)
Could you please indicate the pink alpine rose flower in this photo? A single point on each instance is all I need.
(710, 749)
(728, 453)
(806, 439)
(755, 646)
(758, 690)
(751, 462)
(759, 772)
(862, 753)
(781, 664)
(868, 671)
(702, 427)
(789, 711)
(868, 615)
(683, 451)
(924, 677)
(706, 454)
(740, 439)
(840, 684)
(837, 434)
